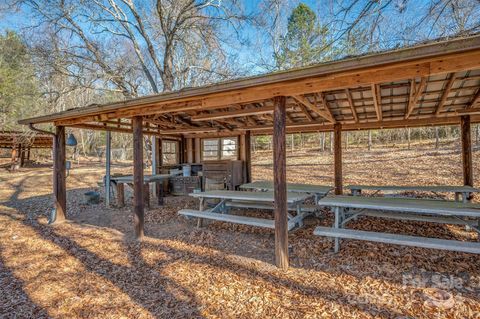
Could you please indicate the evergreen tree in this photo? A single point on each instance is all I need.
(18, 85)
(304, 41)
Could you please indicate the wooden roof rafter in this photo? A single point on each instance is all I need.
(351, 104)
(377, 100)
(314, 108)
(415, 92)
(446, 91)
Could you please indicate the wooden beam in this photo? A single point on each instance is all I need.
(280, 183)
(230, 114)
(112, 129)
(467, 159)
(324, 101)
(59, 176)
(337, 159)
(377, 100)
(445, 93)
(303, 100)
(198, 150)
(475, 100)
(414, 98)
(304, 110)
(138, 199)
(352, 106)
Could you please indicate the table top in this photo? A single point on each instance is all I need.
(414, 205)
(248, 196)
(439, 189)
(146, 178)
(291, 187)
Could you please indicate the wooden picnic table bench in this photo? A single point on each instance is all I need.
(120, 181)
(318, 191)
(347, 208)
(229, 199)
(459, 191)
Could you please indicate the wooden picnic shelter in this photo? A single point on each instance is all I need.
(436, 83)
(20, 144)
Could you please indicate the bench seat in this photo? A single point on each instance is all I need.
(405, 240)
(236, 219)
(268, 206)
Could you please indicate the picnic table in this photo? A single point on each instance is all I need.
(463, 191)
(347, 208)
(318, 191)
(121, 181)
(232, 198)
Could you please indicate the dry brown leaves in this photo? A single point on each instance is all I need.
(91, 268)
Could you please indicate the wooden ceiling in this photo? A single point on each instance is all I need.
(428, 85)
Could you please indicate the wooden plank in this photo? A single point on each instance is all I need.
(351, 104)
(138, 200)
(436, 189)
(236, 219)
(411, 205)
(404, 240)
(377, 101)
(446, 91)
(418, 218)
(291, 187)
(418, 91)
(59, 175)
(230, 114)
(475, 100)
(467, 159)
(280, 183)
(337, 159)
(269, 206)
(292, 197)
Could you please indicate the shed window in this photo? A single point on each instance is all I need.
(170, 152)
(219, 149)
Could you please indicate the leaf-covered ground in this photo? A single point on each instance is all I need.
(91, 267)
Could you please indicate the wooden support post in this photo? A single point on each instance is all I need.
(13, 158)
(467, 151)
(157, 163)
(183, 150)
(248, 157)
(120, 194)
(337, 136)
(28, 154)
(108, 153)
(138, 200)
(59, 176)
(22, 156)
(190, 150)
(198, 150)
(280, 183)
